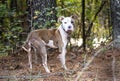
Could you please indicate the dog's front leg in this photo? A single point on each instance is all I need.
(62, 57)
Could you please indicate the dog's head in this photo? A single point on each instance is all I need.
(67, 23)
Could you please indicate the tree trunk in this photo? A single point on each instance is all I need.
(42, 13)
(83, 25)
(115, 16)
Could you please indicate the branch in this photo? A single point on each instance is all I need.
(34, 76)
(95, 16)
(113, 69)
(90, 61)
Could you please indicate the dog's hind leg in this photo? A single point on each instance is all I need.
(35, 51)
(44, 58)
(41, 48)
(43, 53)
(28, 50)
(29, 56)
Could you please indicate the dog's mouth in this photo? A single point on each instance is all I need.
(69, 31)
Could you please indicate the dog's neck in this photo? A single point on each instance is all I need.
(62, 30)
(63, 33)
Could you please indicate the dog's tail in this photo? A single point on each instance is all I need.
(25, 47)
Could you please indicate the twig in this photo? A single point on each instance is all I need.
(16, 79)
(96, 75)
(94, 18)
(90, 61)
(26, 77)
(34, 76)
(113, 69)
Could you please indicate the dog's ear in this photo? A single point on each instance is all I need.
(60, 18)
(74, 17)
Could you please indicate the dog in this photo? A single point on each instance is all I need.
(53, 38)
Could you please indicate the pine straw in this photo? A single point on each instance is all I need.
(79, 73)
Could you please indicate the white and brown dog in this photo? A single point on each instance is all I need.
(54, 38)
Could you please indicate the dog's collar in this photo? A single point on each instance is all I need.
(63, 28)
(68, 35)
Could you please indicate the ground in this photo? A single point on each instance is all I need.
(104, 67)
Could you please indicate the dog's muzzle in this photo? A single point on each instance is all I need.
(69, 32)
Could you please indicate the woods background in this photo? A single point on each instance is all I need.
(91, 55)
(19, 17)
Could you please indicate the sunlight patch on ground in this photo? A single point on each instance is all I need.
(96, 42)
(76, 42)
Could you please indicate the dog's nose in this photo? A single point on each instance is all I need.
(69, 27)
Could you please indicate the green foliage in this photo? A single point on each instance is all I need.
(11, 20)
(100, 28)
(68, 7)
(41, 22)
(10, 27)
(3, 10)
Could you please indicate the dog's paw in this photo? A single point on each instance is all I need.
(47, 71)
(64, 66)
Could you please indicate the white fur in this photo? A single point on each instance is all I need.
(51, 44)
(64, 39)
(66, 22)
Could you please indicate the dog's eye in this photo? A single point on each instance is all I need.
(65, 22)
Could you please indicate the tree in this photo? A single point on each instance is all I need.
(83, 25)
(11, 23)
(115, 16)
(42, 13)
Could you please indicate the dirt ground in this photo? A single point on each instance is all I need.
(104, 67)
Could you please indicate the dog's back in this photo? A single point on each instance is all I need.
(43, 34)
